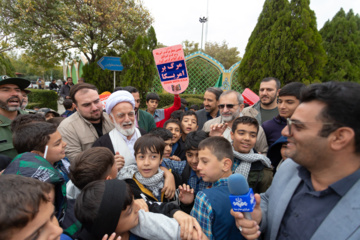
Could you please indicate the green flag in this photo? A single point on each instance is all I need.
(218, 84)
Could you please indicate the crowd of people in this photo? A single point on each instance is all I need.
(121, 172)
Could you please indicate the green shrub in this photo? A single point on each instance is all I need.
(43, 98)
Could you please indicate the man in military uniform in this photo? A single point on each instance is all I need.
(10, 107)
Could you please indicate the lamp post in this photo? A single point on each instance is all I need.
(202, 21)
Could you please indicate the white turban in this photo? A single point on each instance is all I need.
(119, 97)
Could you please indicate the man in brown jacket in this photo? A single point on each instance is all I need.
(82, 128)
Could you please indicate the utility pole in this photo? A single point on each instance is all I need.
(202, 21)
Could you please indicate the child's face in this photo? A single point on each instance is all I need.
(175, 130)
(44, 226)
(113, 171)
(129, 219)
(152, 104)
(56, 148)
(49, 115)
(148, 163)
(189, 124)
(244, 137)
(209, 167)
(282, 151)
(192, 157)
(168, 148)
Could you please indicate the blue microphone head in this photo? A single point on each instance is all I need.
(238, 185)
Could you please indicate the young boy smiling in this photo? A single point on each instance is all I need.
(173, 125)
(212, 206)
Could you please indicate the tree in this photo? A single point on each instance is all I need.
(227, 56)
(139, 64)
(6, 68)
(341, 41)
(49, 29)
(190, 47)
(284, 44)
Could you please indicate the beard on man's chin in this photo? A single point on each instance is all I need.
(125, 132)
(5, 106)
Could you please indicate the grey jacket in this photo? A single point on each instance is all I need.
(253, 111)
(341, 223)
(202, 118)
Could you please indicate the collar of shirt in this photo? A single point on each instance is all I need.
(340, 187)
(220, 182)
(209, 117)
(155, 113)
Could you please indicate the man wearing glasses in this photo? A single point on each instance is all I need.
(314, 194)
(231, 103)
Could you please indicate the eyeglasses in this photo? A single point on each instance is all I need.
(229, 106)
(298, 124)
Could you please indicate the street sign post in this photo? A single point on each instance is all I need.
(112, 64)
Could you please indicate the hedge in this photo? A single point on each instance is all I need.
(167, 99)
(43, 98)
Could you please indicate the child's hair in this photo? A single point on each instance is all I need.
(152, 96)
(56, 120)
(99, 206)
(219, 146)
(67, 104)
(245, 120)
(189, 113)
(183, 101)
(91, 165)
(22, 119)
(182, 107)
(194, 106)
(193, 139)
(292, 89)
(176, 114)
(176, 121)
(161, 132)
(149, 142)
(20, 201)
(33, 136)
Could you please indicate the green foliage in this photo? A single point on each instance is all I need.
(139, 64)
(167, 99)
(102, 79)
(43, 98)
(190, 47)
(284, 44)
(341, 41)
(227, 56)
(6, 68)
(47, 29)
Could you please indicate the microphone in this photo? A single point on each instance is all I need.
(241, 197)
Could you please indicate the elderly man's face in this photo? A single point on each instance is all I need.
(230, 107)
(10, 97)
(123, 117)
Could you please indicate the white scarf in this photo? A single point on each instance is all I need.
(120, 145)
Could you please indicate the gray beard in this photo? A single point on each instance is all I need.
(4, 106)
(232, 117)
(125, 132)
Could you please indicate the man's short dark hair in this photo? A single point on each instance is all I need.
(20, 201)
(277, 81)
(342, 106)
(161, 132)
(68, 78)
(67, 104)
(22, 119)
(291, 89)
(189, 113)
(33, 136)
(91, 165)
(193, 139)
(216, 91)
(176, 121)
(74, 89)
(245, 120)
(176, 114)
(194, 106)
(183, 101)
(130, 89)
(152, 96)
(219, 147)
(149, 142)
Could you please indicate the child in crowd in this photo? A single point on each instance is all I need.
(161, 115)
(48, 113)
(26, 209)
(41, 147)
(188, 169)
(174, 127)
(69, 108)
(177, 114)
(212, 206)
(194, 108)
(277, 150)
(188, 123)
(255, 167)
(98, 163)
(108, 208)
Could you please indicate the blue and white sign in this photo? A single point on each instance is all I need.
(111, 63)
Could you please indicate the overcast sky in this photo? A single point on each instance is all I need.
(229, 20)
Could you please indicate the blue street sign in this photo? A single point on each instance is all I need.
(110, 63)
